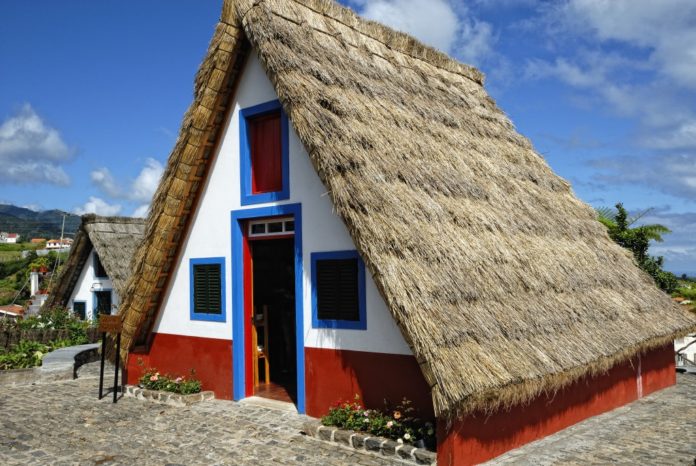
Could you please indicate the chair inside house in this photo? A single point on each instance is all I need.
(273, 323)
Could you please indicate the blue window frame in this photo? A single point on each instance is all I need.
(247, 196)
(339, 257)
(200, 272)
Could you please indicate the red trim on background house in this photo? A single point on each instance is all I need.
(334, 375)
(478, 438)
(211, 358)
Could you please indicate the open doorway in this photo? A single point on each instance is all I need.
(273, 345)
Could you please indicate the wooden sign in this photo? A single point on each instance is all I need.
(110, 324)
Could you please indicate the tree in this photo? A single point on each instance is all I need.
(637, 240)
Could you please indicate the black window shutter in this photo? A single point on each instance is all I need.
(207, 294)
(337, 289)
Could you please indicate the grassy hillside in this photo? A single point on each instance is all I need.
(32, 224)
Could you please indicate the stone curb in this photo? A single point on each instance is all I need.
(168, 398)
(61, 364)
(365, 442)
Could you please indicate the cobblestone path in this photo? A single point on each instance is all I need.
(659, 429)
(63, 423)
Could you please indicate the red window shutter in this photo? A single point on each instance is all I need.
(266, 159)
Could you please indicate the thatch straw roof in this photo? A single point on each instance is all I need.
(115, 240)
(502, 282)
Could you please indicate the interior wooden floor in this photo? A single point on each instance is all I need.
(275, 391)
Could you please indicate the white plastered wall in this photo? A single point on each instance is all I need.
(322, 230)
(87, 283)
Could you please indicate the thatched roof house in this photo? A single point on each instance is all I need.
(113, 239)
(501, 281)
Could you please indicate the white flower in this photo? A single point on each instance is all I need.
(407, 436)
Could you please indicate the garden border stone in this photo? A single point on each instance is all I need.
(168, 398)
(367, 443)
(61, 364)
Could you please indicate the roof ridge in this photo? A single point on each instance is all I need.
(429, 55)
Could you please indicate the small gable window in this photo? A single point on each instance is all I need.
(264, 153)
(80, 309)
(102, 302)
(338, 290)
(99, 270)
(208, 289)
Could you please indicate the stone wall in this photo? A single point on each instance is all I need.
(10, 337)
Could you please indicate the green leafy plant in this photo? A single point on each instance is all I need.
(637, 240)
(401, 423)
(153, 380)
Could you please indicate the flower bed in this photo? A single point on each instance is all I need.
(400, 424)
(153, 380)
(169, 398)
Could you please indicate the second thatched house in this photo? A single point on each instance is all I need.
(347, 211)
(98, 268)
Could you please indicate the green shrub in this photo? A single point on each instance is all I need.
(58, 318)
(401, 424)
(23, 355)
(153, 380)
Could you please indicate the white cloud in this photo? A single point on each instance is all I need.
(96, 205)
(448, 26)
(140, 189)
(34, 207)
(103, 179)
(141, 211)
(665, 28)
(432, 21)
(636, 60)
(145, 184)
(31, 151)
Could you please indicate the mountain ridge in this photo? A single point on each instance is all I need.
(36, 224)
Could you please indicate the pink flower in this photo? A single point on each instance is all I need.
(178, 379)
(389, 424)
(153, 378)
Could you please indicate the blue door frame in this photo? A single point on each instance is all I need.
(239, 346)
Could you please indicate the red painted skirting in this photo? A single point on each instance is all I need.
(478, 438)
(177, 354)
(333, 375)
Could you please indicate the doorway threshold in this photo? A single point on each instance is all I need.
(270, 403)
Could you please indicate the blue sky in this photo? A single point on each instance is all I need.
(92, 95)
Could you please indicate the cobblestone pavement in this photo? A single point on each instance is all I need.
(659, 429)
(63, 423)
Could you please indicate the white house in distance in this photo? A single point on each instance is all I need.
(98, 266)
(54, 244)
(346, 211)
(9, 238)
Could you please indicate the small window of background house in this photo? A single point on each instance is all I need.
(80, 309)
(99, 270)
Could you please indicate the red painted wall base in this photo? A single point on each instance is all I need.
(477, 438)
(335, 375)
(177, 354)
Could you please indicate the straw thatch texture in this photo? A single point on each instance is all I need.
(502, 282)
(115, 240)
